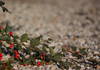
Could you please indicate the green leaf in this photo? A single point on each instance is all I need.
(28, 51)
(17, 47)
(24, 37)
(7, 38)
(83, 51)
(35, 41)
(9, 65)
(51, 51)
(0, 63)
(2, 31)
(74, 48)
(8, 28)
(57, 57)
(15, 37)
(0, 37)
(44, 49)
(2, 3)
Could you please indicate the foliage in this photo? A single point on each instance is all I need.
(2, 3)
(26, 51)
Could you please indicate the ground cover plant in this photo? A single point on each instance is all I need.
(25, 50)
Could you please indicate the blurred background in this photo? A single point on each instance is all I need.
(56, 18)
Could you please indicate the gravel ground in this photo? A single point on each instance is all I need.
(74, 22)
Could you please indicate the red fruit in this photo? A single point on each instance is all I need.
(39, 63)
(11, 45)
(11, 33)
(16, 54)
(1, 27)
(24, 64)
(47, 63)
(1, 56)
(0, 40)
(42, 56)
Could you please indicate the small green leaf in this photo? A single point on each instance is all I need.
(74, 48)
(18, 47)
(7, 38)
(0, 37)
(2, 31)
(35, 41)
(8, 28)
(83, 51)
(44, 49)
(51, 51)
(24, 37)
(9, 65)
(0, 63)
(57, 57)
(2, 3)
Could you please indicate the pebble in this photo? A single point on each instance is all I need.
(43, 18)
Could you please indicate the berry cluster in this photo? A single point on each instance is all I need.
(23, 50)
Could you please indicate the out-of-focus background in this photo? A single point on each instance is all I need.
(60, 19)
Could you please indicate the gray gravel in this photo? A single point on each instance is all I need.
(74, 22)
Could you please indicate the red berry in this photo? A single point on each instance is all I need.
(39, 63)
(11, 33)
(47, 63)
(1, 27)
(42, 56)
(24, 64)
(0, 40)
(1, 56)
(16, 54)
(11, 45)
